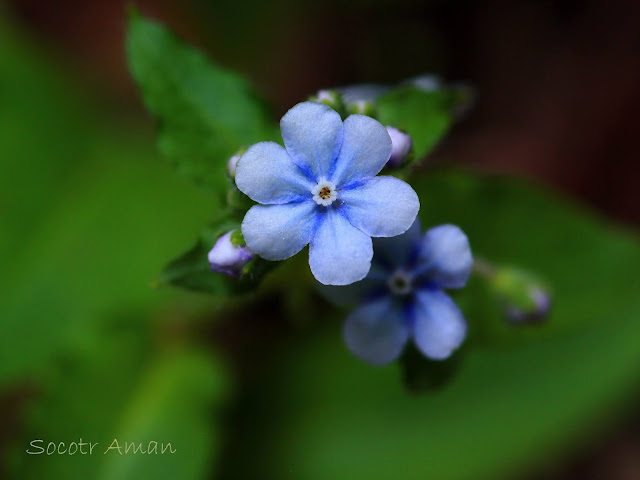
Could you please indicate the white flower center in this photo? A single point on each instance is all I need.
(324, 193)
(400, 283)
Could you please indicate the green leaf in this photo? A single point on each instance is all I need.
(205, 113)
(193, 272)
(91, 219)
(509, 406)
(81, 240)
(80, 235)
(173, 406)
(421, 374)
(124, 387)
(96, 249)
(426, 116)
(518, 223)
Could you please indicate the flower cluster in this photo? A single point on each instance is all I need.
(322, 189)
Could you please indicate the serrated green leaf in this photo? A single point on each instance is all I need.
(205, 113)
(426, 116)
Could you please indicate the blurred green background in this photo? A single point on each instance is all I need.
(262, 387)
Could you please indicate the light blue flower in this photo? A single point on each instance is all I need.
(403, 298)
(322, 190)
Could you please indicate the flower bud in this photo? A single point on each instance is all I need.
(230, 254)
(538, 309)
(401, 148)
(525, 299)
(232, 163)
(426, 82)
(362, 107)
(331, 98)
(369, 92)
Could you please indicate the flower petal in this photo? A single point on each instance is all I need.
(312, 134)
(365, 150)
(276, 232)
(381, 207)
(339, 253)
(445, 257)
(266, 173)
(377, 331)
(399, 251)
(439, 326)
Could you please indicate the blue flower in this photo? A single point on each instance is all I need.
(403, 298)
(322, 190)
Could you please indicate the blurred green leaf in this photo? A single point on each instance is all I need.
(88, 215)
(97, 249)
(205, 113)
(123, 387)
(421, 374)
(173, 405)
(518, 223)
(426, 116)
(517, 404)
(44, 135)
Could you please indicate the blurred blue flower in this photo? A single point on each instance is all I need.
(227, 258)
(402, 296)
(322, 190)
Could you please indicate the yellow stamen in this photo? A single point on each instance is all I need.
(325, 193)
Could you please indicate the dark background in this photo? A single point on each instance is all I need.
(557, 82)
(557, 88)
